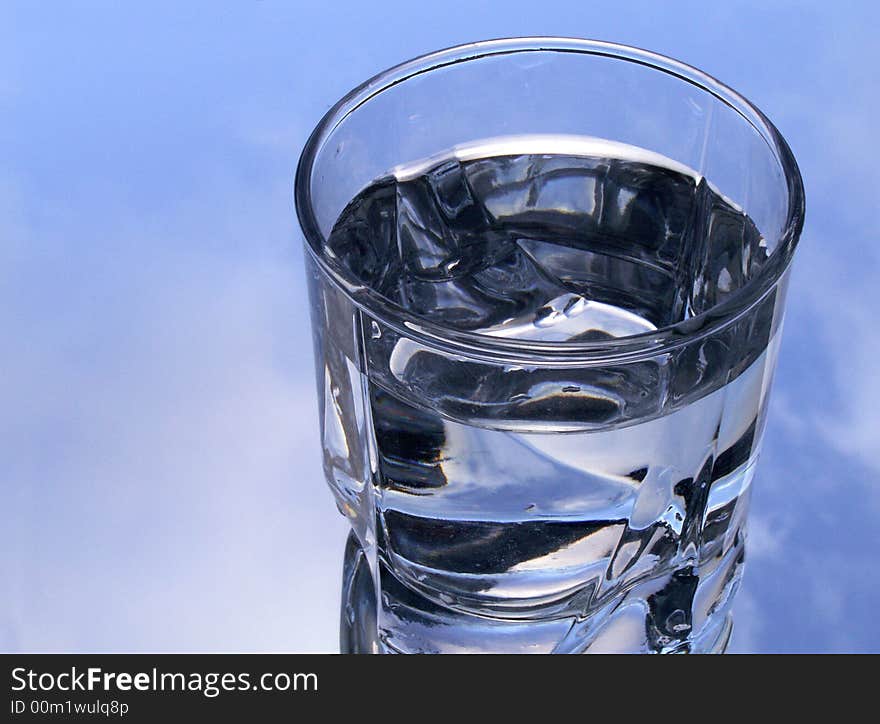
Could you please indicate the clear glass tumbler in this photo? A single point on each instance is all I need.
(547, 280)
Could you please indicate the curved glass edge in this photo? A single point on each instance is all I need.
(481, 347)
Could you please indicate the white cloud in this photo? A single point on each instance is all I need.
(168, 493)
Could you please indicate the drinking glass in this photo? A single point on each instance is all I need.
(547, 281)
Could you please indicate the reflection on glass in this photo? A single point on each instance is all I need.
(544, 346)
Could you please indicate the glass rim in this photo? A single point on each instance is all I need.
(475, 345)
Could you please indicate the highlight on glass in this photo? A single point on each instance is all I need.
(547, 280)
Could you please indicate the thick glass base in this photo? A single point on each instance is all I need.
(394, 618)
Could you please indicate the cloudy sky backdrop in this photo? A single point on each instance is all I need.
(160, 486)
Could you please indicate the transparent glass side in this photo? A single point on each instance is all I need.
(478, 510)
(540, 501)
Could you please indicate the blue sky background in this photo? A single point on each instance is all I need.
(160, 486)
